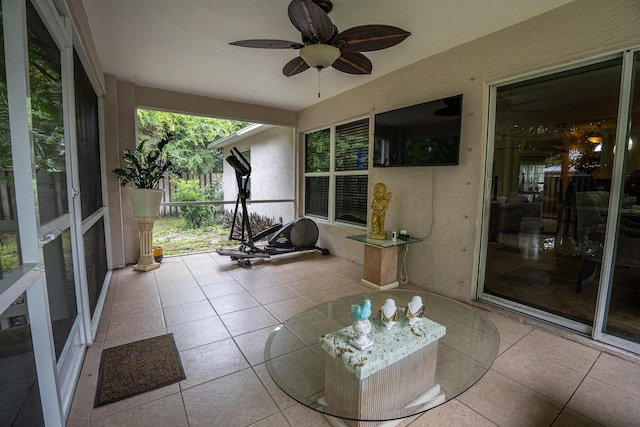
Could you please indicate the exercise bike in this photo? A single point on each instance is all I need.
(299, 235)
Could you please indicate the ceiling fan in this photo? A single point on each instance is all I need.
(452, 107)
(323, 46)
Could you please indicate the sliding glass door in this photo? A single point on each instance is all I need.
(19, 388)
(562, 234)
(51, 234)
(49, 85)
(45, 78)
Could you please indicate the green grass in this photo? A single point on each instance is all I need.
(172, 233)
(8, 251)
(176, 238)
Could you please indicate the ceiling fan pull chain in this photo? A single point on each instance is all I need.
(318, 82)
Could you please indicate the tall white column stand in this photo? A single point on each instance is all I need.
(146, 261)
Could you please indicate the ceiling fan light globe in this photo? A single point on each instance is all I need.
(319, 55)
(595, 139)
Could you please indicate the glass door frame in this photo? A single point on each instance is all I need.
(606, 272)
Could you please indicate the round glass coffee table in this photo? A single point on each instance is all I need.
(409, 369)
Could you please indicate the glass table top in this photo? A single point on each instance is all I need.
(295, 358)
(382, 243)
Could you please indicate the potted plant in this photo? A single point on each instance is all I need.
(145, 167)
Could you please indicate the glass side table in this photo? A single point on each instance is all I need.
(440, 358)
(380, 270)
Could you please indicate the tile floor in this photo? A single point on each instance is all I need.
(221, 316)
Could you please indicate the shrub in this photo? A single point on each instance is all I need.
(214, 191)
(258, 222)
(195, 216)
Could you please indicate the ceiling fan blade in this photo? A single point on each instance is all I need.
(353, 63)
(295, 66)
(365, 38)
(452, 108)
(310, 20)
(268, 44)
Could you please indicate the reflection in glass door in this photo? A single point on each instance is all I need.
(19, 393)
(52, 163)
(563, 233)
(551, 177)
(19, 388)
(45, 79)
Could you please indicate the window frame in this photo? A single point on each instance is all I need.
(332, 173)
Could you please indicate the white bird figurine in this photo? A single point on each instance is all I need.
(361, 312)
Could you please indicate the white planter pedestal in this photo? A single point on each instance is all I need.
(146, 261)
(146, 205)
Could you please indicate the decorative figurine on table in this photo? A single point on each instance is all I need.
(379, 209)
(415, 310)
(389, 313)
(361, 325)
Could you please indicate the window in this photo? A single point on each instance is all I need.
(336, 172)
(88, 136)
(88, 140)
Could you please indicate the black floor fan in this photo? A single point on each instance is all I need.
(298, 235)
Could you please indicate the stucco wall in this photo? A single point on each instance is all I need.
(444, 204)
(272, 174)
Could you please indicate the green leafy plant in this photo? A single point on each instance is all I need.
(196, 216)
(145, 166)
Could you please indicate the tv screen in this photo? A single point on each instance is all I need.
(426, 134)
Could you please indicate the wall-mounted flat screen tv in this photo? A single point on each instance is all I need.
(426, 134)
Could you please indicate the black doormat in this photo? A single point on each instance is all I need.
(138, 367)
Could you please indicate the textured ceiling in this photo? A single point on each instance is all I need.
(184, 45)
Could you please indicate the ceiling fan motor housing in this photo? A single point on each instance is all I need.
(325, 5)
